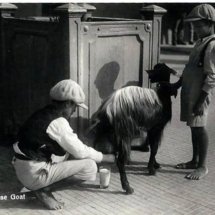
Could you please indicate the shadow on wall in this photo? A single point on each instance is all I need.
(106, 78)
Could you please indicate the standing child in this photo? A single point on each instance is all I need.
(198, 81)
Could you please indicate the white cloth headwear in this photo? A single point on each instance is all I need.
(68, 90)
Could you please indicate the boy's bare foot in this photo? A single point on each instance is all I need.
(188, 165)
(49, 200)
(197, 174)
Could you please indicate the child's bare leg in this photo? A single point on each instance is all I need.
(193, 164)
(47, 198)
(203, 141)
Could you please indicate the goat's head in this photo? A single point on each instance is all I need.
(160, 73)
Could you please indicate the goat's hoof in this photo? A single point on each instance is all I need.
(152, 172)
(128, 162)
(157, 166)
(129, 190)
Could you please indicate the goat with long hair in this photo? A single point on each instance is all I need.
(121, 117)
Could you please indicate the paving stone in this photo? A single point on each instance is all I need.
(167, 193)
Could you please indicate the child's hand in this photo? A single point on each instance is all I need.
(198, 109)
(199, 106)
(108, 158)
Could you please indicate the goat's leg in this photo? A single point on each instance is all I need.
(156, 164)
(154, 137)
(123, 177)
(152, 165)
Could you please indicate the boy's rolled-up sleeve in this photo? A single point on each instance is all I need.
(209, 68)
(60, 131)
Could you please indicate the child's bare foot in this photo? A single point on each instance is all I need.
(49, 200)
(188, 165)
(197, 174)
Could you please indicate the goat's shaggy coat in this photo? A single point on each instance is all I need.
(126, 112)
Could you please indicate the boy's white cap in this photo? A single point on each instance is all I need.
(68, 90)
(203, 11)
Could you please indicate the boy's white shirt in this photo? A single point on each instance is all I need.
(60, 131)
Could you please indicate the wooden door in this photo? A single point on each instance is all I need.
(113, 55)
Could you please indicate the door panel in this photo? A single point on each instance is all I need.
(113, 56)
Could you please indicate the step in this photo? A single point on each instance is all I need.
(180, 49)
(174, 58)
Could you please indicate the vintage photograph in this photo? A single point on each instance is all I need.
(107, 108)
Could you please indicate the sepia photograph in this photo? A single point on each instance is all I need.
(107, 108)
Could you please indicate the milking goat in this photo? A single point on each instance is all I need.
(127, 113)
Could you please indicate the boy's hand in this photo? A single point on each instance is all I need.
(199, 106)
(108, 158)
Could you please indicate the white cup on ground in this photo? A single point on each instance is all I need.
(104, 175)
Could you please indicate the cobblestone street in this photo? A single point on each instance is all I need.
(167, 193)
